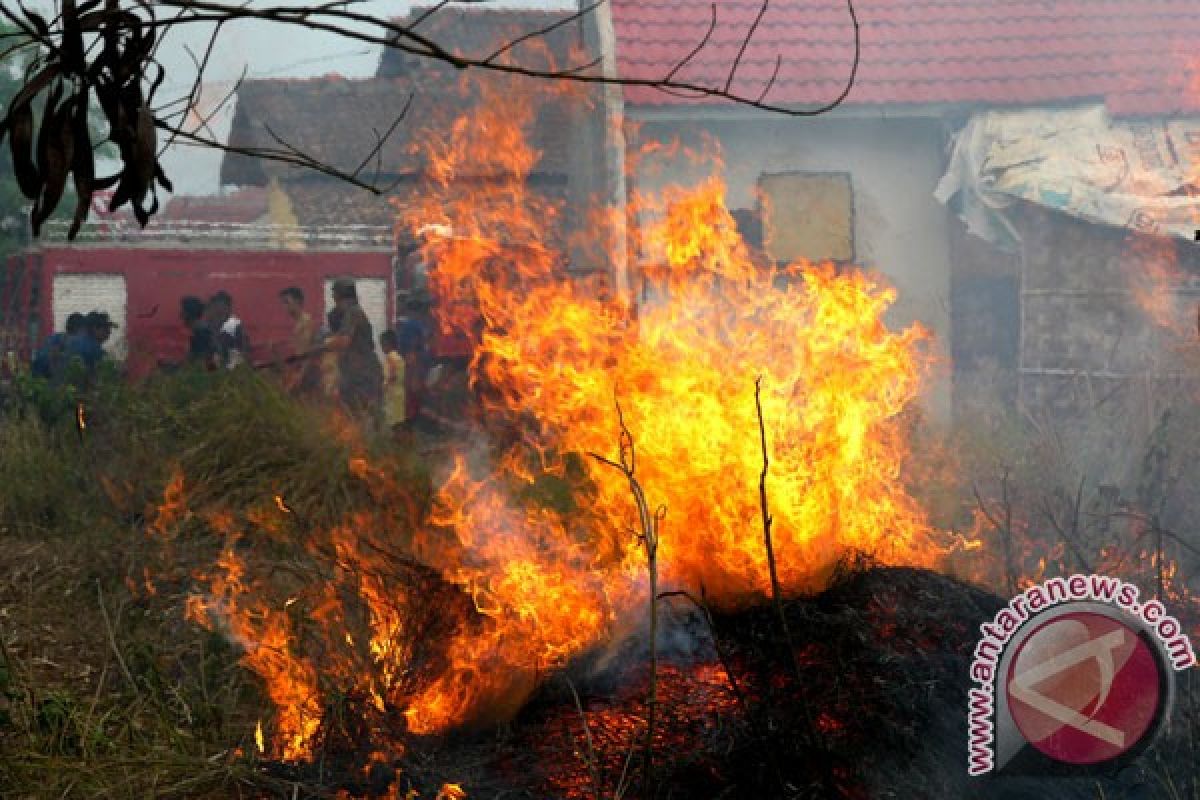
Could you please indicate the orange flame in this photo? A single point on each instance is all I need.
(264, 635)
(553, 353)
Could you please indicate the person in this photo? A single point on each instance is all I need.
(360, 376)
(202, 348)
(88, 346)
(395, 410)
(50, 359)
(329, 358)
(229, 334)
(303, 376)
(413, 339)
(303, 332)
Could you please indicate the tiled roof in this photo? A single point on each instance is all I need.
(243, 206)
(479, 32)
(1138, 56)
(337, 121)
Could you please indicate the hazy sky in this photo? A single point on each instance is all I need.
(265, 51)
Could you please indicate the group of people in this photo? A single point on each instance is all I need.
(81, 343)
(336, 362)
(217, 338)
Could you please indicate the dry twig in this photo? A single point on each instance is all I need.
(649, 526)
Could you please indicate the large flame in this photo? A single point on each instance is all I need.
(555, 353)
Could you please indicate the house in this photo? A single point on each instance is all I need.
(377, 129)
(278, 225)
(858, 184)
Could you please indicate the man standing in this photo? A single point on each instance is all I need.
(303, 374)
(202, 349)
(360, 375)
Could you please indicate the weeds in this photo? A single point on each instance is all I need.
(105, 689)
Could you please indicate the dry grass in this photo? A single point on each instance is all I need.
(105, 689)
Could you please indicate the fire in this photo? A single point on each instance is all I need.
(264, 634)
(535, 587)
(554, 355)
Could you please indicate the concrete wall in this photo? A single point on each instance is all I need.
(900, 230)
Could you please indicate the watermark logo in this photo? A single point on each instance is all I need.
(1074, 673)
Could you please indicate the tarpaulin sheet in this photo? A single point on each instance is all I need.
(1135, 174)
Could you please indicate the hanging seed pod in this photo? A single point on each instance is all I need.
(82, 166)
(57, 145)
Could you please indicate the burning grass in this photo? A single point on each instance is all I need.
(326, 608)
(107, 690)
(388, 618)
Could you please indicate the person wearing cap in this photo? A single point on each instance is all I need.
(360, 375)
(89, 344)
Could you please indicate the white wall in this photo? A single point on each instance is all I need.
(83, 293)
(900, 230)
(372, 297)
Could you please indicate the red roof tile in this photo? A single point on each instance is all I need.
(1139, 56)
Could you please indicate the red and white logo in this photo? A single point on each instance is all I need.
(1084, 688)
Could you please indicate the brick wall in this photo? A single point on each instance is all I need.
(1088, 330)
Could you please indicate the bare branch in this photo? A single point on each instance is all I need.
(429, 12)
(712, 26)
(293, 156)
(542, 32)
(193, 93)
(401, 36)
(776, 590)
(377, 150)
(123, 34)
(771, 82)
(762, 10)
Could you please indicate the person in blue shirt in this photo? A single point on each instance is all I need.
(50, 359)
(88, 347)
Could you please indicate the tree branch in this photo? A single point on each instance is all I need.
(127, 35)
(335, 19)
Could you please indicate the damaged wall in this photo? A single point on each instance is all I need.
(1106, 314)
